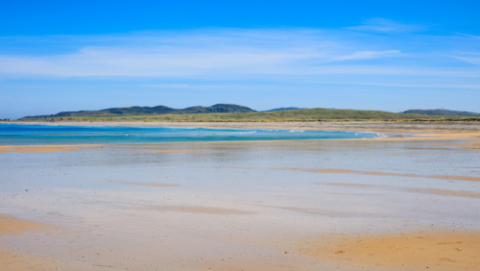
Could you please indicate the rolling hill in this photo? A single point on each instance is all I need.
(156, 110)
(442, 112)
(314, 114)
(217, 113)
(283, 109)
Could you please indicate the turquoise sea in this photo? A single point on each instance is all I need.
(13, 134)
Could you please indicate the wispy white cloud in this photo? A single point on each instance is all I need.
(230, 53)
(368, 55)
(468, 35)
(384, 25)
(472, 58)
(193, 54)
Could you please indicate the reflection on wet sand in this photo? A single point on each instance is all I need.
(434, 191)
(423, 250)
(201, 210)
(351, 185)
(46, 148)
(465, 145)
(445, 192)
(348, 171)
(168, 151)
(331, 211)
(145, 184)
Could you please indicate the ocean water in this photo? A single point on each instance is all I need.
(13, 134)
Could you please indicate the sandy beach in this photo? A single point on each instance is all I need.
(409, 200)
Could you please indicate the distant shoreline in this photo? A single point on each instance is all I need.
(455, 134)
(350, 125)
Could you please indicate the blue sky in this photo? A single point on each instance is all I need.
(61, 56)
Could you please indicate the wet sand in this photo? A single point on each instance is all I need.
(348, 171)
(46, 148)
(201, 210)
(444, 192)
(408, 201)
(146, 184)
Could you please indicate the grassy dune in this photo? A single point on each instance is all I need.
(301, 115)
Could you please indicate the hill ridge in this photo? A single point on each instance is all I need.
(442, 112)
(145, 110)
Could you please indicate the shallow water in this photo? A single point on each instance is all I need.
(229, 205)
(43, 134)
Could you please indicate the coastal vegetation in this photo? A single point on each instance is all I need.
(300, 115)
(442, 112)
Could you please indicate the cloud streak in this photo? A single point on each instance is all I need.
(472, 58)
(221, 52)
(275, 55)
(225, 53)
(387, 26)
(362, 55)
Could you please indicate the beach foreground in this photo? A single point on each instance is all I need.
(408, 201)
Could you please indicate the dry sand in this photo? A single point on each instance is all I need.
(11, 225)
(11, 260)
(425, 250)
(16, 260)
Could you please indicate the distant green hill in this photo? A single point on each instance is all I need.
(300, 115)
(283, 109)
(157, 110)
(442, 112)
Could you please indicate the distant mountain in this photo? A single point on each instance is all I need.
(283, 109)
(442, 112)
(157, 110)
